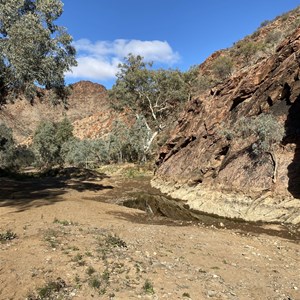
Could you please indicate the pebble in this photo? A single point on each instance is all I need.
(211, 293)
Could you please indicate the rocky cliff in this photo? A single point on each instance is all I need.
(219, 175)
(87, 107)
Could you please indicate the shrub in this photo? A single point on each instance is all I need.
(7, 236)
(124, 144)
(222, 67)
(264, 23)
(265, 128)
(148, 287)
(85, 153)
(23, 157)
(204, 83)
(48, 142)
(7, 147)
(273, 37)
(248, 49)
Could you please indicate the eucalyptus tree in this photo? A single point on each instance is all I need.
(153, 95)
(34, 50)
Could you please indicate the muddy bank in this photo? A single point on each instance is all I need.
(138, 193)
(162, 206)
(257, 207)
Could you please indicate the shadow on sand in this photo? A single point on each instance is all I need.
(28, 191)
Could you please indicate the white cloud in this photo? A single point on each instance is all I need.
(99, 60)
(156, 51)
(94, 68)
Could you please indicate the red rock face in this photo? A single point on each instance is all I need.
(198, 157)
(88, 108)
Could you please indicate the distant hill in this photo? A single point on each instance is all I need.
(87, 106)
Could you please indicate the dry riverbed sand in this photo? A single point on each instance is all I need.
(70, 245)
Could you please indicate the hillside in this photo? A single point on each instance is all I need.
(87, 107)
(220, 173)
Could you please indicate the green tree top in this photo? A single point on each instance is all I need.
(33, 49)
(153, 94)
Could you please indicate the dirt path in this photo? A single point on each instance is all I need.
(70, 246)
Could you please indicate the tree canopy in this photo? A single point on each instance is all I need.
(151, 93)
(33, 49)
(48, 142)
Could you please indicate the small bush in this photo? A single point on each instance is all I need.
(51, 290)
(51, 236)
(148, 287)
(64, 222)
(7, 236)
(248, 49)
(94, 282)
(273, 37)
(265, 128)
(264, 23)
(90, 271)
(115, 241)
(204, 83)
(222, 67)
(7, 147)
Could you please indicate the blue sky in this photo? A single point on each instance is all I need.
(172, 33)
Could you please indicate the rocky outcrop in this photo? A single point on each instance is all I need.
(219, 176)
(86, 100)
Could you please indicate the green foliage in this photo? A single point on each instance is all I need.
(7, 147)
(90, 271)
(51, 289)
(264, 128)
(13, 157)
(125, 143)
(148, 287)
(264, 23)
(119, 142)
(33, 49)
(85, 153)
(128, 143)
(153, 94)
(186, 295)
(222, 67)
(7, 236)
(204, 83)
(64, 222)
(48, 142)
(115, 241)
(95, 282)
(248, 49)
(273, 37)
(64, 131)
(23, 157)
